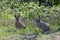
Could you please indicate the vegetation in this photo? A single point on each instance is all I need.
(28, 12)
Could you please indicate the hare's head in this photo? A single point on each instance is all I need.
(17, 16)
(38, 18)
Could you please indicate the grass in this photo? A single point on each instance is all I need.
(11, 30)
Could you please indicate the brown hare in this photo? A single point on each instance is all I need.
(19, 24)
(43, 25)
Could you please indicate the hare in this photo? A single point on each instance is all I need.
(19, 24)
(43, 25)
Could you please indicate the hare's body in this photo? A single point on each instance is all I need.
(44, 26)
(19, 24)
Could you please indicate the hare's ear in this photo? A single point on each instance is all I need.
(18, 15)
(15, 15)
(39, 17)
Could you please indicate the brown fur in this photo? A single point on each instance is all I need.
(19, 24)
